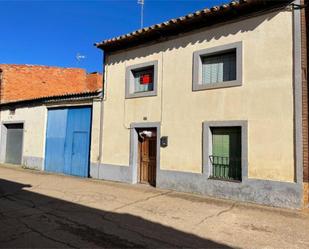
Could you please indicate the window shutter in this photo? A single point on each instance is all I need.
(226, 153)
(219, 68)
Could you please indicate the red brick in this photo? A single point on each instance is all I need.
(94, 80)
(21, 82)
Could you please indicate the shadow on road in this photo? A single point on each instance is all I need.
(28, 219)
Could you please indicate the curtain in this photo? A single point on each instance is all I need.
(138, 87)
(219, 68)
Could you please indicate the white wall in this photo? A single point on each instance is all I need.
(35, 122)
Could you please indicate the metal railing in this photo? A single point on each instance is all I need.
(225, 168)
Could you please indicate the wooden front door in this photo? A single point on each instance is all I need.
(148, 153)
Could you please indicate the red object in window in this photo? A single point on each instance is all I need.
(145, 79)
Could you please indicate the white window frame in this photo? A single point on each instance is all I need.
(197, 66)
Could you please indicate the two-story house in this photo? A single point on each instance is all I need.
(214, 102)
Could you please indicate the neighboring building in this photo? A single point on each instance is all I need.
(24, 82)
(49, 117)
(214, 102)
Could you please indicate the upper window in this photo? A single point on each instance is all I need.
(141, 80)
(218, 67)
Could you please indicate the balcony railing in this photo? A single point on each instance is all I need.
(225, 168)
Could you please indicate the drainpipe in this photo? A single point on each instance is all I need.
(1, 75)
(1, 78)
(101, 116)
(1, 81)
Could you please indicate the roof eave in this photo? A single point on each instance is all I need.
(197, 20)
(58, 98)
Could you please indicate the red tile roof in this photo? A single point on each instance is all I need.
(199, 19)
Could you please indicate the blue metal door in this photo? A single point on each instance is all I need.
(68, 141)
(55, 140)
(79, 157)
(77, 142)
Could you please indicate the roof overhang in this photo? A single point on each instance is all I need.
(200, 19)
(53, 99)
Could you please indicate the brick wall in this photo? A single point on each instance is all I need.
(20, 82)
(94, 80)
(1, 81)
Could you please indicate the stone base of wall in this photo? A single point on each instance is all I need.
(33, 162)
(109, 172)
(271, 193)
(306, 194)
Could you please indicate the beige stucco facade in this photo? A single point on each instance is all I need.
(265, 98)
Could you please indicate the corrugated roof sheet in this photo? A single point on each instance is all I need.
(62, 97)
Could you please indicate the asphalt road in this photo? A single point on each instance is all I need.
(40, 210)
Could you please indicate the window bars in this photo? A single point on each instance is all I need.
(225, 168)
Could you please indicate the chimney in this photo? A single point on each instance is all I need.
(94, 81)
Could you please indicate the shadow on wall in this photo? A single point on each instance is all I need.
(31, 220)
(195, 37)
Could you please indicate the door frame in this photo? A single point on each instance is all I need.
(4, 139)
(139, 155)
(134, 150)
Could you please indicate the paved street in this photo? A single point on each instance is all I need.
(51, 211)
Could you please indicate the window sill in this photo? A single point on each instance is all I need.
(141, 95)
(224, 180)
(226, 84)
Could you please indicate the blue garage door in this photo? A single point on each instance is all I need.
(68, 141)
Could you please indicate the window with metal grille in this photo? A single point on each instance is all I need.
(219, 68)
(226, 153)
(143, 80)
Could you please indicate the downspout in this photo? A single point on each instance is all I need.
(297, 92)
(101, 116)
(1, 76)
(295, 7)
(1, 83)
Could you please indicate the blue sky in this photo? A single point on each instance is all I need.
(53, 32)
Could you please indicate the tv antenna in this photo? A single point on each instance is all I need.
(142, 2)
(80, 57)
